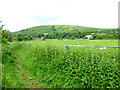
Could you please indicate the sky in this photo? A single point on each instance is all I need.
(20, 14)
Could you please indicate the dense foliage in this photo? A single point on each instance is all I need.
(65, 31)
(6, 37)
(7, 70)
(73, 68)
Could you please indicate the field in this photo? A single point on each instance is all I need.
(46, 64)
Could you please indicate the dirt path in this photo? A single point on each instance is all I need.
(28, 80)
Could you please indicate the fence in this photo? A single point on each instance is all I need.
(66, 47)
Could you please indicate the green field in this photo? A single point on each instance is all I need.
(46, 64)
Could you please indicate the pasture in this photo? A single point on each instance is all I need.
(46, 64)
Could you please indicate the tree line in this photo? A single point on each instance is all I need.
(69, 35)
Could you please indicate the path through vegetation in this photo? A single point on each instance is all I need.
(28, 80)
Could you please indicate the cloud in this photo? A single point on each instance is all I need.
(44, 20)
(20, 14)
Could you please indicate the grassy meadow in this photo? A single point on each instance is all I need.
(46, 64)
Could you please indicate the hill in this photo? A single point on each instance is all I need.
(63, 31)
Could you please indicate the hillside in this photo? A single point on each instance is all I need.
(62, 31)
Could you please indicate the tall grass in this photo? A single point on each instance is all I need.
(76, 67)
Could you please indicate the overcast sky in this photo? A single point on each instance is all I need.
(21, 14)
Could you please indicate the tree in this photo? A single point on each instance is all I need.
(53, 28)
(6, 36)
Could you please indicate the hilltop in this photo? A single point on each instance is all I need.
(63, 31)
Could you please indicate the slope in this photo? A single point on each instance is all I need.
(61, 31)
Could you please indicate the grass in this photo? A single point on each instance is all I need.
(77, 67)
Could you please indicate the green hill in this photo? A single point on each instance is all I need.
(62, 31)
